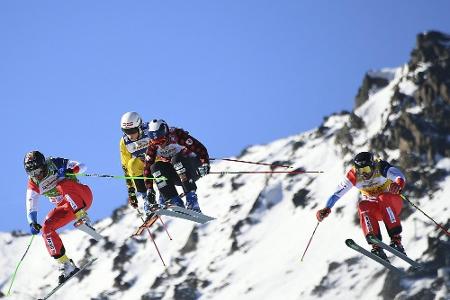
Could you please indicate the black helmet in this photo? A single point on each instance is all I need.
(34, 163)
(363, 159)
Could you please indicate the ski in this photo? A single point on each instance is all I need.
(192, 213)
(147, 224)
(89, 230)
(351, 244)
(172, 213)
(73, 276)
(413, 263)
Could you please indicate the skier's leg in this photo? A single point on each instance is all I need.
(135, 167)
(78, 195)
(391, 206)
(187, 170)
(167, 187)
(57, 218)
(368, 216)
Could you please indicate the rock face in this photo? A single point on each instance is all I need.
(371, 83)
(423, 136)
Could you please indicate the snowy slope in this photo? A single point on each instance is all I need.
(252, 251)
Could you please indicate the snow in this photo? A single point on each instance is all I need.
(376, 109)
(407, 87)
(386, 73)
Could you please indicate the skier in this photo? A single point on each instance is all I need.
(50, 177)
(180, 158)
(380, 185)
(133, 145)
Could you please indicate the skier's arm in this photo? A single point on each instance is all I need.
(75, 167)
(395, 175)
(125, 157)
(192, 144)
(346, 184)
(32, 196)
(67, 167)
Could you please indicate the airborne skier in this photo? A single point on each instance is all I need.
(133, 145)
(180, 158)
(49, 177)
(380, 185)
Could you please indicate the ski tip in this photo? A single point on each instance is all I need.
(349, 242)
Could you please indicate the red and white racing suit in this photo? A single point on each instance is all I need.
(68, 195)
(376, 202)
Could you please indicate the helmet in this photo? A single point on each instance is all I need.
(35, 164)
(158, 131)
(364, 164)
(363, 159)
(130, 122)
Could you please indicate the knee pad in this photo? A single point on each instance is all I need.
(179, 168)
(160, 183)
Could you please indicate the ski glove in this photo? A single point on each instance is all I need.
(132, 200)
(397, 186)
(35, 228)
(322, 213)
(203, 170)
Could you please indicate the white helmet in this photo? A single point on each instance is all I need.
(158, 129)
(130, 122)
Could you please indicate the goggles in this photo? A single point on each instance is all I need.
(129, 131)
(364, 170)
(159, 141)
(36, 172)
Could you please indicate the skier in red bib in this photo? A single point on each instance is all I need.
(380, 185)
(50, 177)
(180, 158)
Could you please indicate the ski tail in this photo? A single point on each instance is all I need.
(81, 269)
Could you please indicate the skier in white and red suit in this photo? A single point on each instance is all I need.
(51, 177)
(380, 185)
(180, 158)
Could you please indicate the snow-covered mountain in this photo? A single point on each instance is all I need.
(252, 250)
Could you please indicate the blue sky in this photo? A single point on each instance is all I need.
(233, 73)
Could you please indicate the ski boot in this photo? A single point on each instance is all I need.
(150, 208)
(378, 251)
(67, 269)
(396, 243)
(161, 200)
(175, 201)
(82, 218)
(192, 201)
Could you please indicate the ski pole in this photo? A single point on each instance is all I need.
(117, 177)
(252, 162)
(13, 277)
(415, 206)
(262, 172)
(162, 222)
(310, 239)
(151, 236)
(165, 227)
